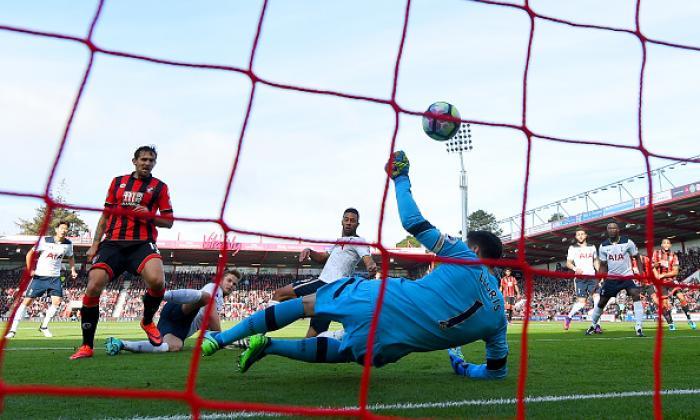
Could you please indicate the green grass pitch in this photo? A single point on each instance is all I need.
(562, 363)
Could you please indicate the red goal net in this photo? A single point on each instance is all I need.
(189, 395)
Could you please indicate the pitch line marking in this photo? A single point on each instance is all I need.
(447, 404)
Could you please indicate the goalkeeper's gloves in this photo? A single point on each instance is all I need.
(471, 370)
(398, 165)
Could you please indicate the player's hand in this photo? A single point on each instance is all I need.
(398, 165)
(305, 254)
(140, 209)
(91, 252)
(372, 272)
(31, 273)
(73, 274)
(579, 271)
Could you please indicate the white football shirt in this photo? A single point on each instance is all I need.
(618, 255)
(218, 300)
(51, 256)
(583, 257)
(343, 258)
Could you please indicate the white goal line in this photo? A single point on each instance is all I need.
(445, 404)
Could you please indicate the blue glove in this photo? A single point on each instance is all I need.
(398, 165)
(473, 371)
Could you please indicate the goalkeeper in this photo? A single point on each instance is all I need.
(455, 304)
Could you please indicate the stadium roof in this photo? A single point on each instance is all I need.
(676, 216)
(13, 249)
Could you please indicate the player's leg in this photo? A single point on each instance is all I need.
(684, 306)
(608, 291)
(271, 318)
(634, 292)
(21, 311)
(317, 326)
(312, 350)
(151, 270)
(90, 311)
(56, 293)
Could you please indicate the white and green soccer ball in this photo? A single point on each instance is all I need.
(438, 129)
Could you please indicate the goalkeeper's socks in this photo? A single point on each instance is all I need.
(151, 303)
(89, 317)
(270, 319)
(183, 296)
(314, 350)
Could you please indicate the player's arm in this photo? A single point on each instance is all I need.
(370, 265)
(214, 323)
(596, 264)
(317, 257)
(411, 218)
(71, 264)
(165, 218)
(28, 260)
(97, 237)
(570, 265)
(517, 289)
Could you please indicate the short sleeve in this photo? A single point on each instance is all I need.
(69, 250)
(632, 249)
(570, 254)
(111, 199)
(602, 254)
(164, 204)
(362, 250)
(40, 246)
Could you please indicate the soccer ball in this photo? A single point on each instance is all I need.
(441, 130)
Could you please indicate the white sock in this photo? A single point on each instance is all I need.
(18, 316)
(638, 313)
(595, 317)
(144, 347)
(577, 306)
(182, 296)
(49, 314)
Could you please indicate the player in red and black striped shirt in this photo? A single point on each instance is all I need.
(129, 244)
(664, 263)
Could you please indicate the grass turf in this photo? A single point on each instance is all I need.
(561, 363)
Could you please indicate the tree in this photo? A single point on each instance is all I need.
(482, 220)
(555, 217)
(408, 242)
(76, 225)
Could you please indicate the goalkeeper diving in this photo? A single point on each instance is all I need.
(454, 305)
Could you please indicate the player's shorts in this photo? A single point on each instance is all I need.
(510, 300)
(174, 321)
(116, 257)
(43, 284)
(307, 286)
(612, 287)
(349, 301)
(585, 288)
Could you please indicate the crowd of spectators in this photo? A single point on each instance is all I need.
(552, 297)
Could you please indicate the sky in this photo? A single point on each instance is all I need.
(306, 157)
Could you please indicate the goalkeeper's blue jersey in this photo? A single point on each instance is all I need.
(455, 304)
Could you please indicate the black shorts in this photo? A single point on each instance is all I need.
(510, 300)
(307, 287)
(585, 288)
(116, 257)
(612, 287)
(43, 284)
(174, 321)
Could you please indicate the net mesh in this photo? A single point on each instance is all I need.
(189, 395)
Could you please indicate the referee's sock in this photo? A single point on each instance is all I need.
(270, 319)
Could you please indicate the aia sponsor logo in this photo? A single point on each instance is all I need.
(616, 257)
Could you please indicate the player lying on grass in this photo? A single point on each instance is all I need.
(455, 304)
(182, 316)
